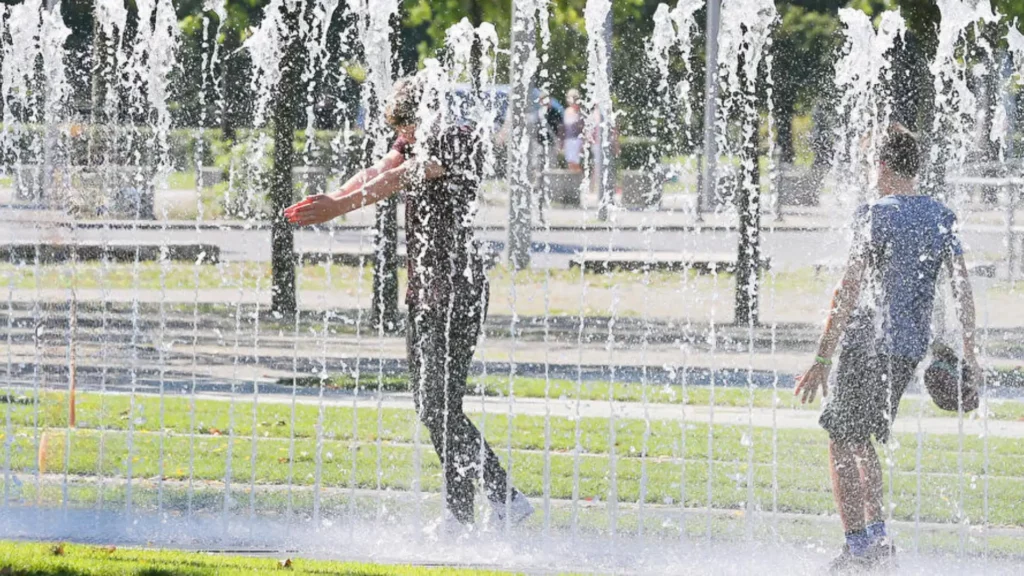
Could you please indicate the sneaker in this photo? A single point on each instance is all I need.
(446, 528)
(848, 563)
(518, 510)
(879, 557)
(882, 555)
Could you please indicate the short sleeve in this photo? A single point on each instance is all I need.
(861, 231)
(402, 146)
(951, 233)
(457, 151)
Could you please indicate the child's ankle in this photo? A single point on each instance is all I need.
(858, 541)
(876, 531)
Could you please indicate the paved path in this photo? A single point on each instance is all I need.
(786, 248)
(677, 210)
(805, 236)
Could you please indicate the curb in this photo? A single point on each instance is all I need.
(265, 226)
(583, 227)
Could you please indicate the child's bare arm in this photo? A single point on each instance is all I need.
(384, 185)
(392, 160)
(844, 299)
(964, 295)
(321, 208)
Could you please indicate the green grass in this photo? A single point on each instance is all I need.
(46, 559)
(790, 296)
(211, 199)
(561, 389)
(669, 461)
(178, 275)
(181, 180)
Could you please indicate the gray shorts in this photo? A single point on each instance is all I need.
(866, 396)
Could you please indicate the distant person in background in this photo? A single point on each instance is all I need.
(549, 124)
(447, 290)
(546, 123)
(882, 314)
(572, 130)
(598, 178)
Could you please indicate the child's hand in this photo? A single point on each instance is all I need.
(315, 209)
(810, 381)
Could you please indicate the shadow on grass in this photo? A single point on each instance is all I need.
(372, 382)
(12, 399)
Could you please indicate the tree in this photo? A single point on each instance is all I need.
(286, 105)
(232, 63)
(425, 23)
(805, 44)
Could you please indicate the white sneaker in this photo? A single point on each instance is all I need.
(518, 510)
(446, 528)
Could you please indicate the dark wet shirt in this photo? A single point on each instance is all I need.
(443, 258)
(906, 239)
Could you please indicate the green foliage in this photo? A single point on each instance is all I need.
(638, 153)
(46, 559)
(804, 43)
(241, 15)
(805, 46)
(426, 22)
(432, 18)
(1012, 9)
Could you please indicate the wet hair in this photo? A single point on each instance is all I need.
(900, 152)
(403, 105)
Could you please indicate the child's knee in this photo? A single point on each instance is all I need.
(848, 447)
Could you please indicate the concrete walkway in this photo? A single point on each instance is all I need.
(676, 212)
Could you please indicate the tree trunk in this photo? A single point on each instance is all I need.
(519, 216)
(784, 140)
(385, 263)
(234, 84)
(476, 17)
(748, 202)
(285, 117)
(385, 277)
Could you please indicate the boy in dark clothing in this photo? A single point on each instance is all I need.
(881, 313)
(447, 291)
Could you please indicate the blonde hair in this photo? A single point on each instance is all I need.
(403, 105)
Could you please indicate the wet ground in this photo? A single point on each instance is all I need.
(525, 550)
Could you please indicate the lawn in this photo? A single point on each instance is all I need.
(62, 559)
(267, 446)
(789, 296)
(589, 390)
(552, 293)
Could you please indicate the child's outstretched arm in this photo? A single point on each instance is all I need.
(321, 208)
(844, 299)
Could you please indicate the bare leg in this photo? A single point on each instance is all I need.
(871, 479)
(846, 484)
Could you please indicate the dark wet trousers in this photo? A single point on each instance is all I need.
(441, 341)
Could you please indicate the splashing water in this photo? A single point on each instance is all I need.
(651, 443)
(955, 103)
(864, 105)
